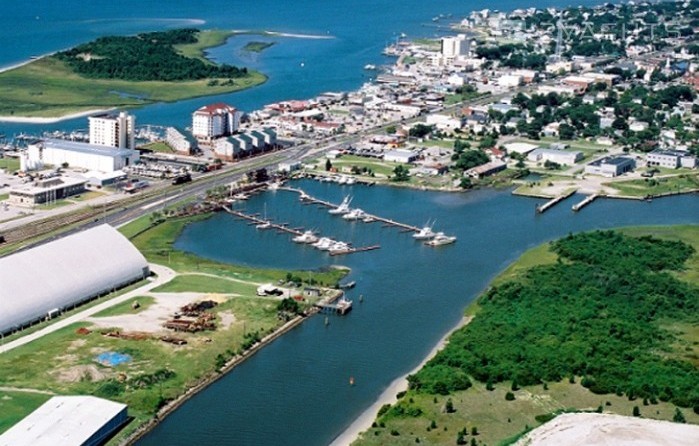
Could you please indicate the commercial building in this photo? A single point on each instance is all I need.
(45, 191)
(113, 130)
(453, 47)
(68, 421)
(244, 144)
(486, 169)
(215, 120)
(400, 156)
(611, 166)
(43, 281)
(180, 141)
(522, 148)
(555, 156)
(58, 152)
(672, 159)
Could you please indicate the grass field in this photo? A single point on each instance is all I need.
(48, 88)
(657, 186)
(9, 164)
(499, 421)
(159, 146)
(206, 284)
(205, 40)
(15, 405)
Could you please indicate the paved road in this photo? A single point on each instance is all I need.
(164, 275)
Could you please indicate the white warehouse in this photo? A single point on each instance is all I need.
(42, 281)
(68, 421)
(77, 154)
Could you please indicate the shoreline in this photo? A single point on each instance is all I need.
(53, 120)
(388, 396)
(206, 381)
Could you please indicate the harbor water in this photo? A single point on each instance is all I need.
(296, 390)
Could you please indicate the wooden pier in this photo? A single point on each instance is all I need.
(549, 204)
(585, 202)
(258, 221)
(386, 221)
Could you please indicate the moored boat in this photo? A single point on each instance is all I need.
(440, 239)
(306, 237)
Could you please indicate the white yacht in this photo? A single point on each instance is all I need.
(338, 248)
(354, 214)
(324, 243)
(440, 239)
(264, 225)
(306, 237)
(350, 181)
(425, 233)
(343, 208)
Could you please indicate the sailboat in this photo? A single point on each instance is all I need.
(266, 224)
(343, 208)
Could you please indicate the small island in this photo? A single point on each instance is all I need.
(113, 72)
(257, 47)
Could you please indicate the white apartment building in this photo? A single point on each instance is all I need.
(215, 120)
(453, 47)
(113, 130)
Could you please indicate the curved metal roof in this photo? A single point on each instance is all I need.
(65, 272)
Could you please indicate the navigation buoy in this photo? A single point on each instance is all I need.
(361, 298)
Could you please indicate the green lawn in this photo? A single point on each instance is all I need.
(127, 307)
(9, 164)
(159, 146)
(16, 405)
(657, 186)
(206, 284)
(48, 88)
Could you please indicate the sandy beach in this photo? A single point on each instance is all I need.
(593, 429)
(389, 395)
(52, 120)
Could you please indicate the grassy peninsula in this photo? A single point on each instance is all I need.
(257, 47)
(113, 72)
(603, 321)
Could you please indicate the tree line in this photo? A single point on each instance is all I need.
(144, 57)
(598, 313)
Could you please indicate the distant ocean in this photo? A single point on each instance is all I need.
(298, 68)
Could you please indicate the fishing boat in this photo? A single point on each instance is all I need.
(339, 248)
(425, 233)
(343, 208)
(440, 239)
(323, 243)
(306, 237)
(354, 214)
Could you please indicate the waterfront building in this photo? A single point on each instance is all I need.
(43, 281)
(113, 130)
(180, 141)
(486, 169)
(611, 166)
(671, 159)
(215, 120)
(400, 156)
(68, 420)
(59, 152)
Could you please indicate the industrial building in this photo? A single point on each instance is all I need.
(672, 159)
(215, 120)
(43, 281)
(113, 130)
(58, 152)
(400, 156)
(611, 166)
(555, 156)
(68, 421)
(486, 169)
(45, 191)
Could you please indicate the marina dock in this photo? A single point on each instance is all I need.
(589, 199)
(386, 221)
(335, 304)
(549, 204)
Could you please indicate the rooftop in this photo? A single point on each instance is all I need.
(83, 147)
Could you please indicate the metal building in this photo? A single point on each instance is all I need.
(42, 281)
(68, 421)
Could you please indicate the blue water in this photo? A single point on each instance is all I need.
(296, 391)
(360, 29)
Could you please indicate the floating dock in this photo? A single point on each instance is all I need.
(549, 204)
(386, 221)
(585, 202)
